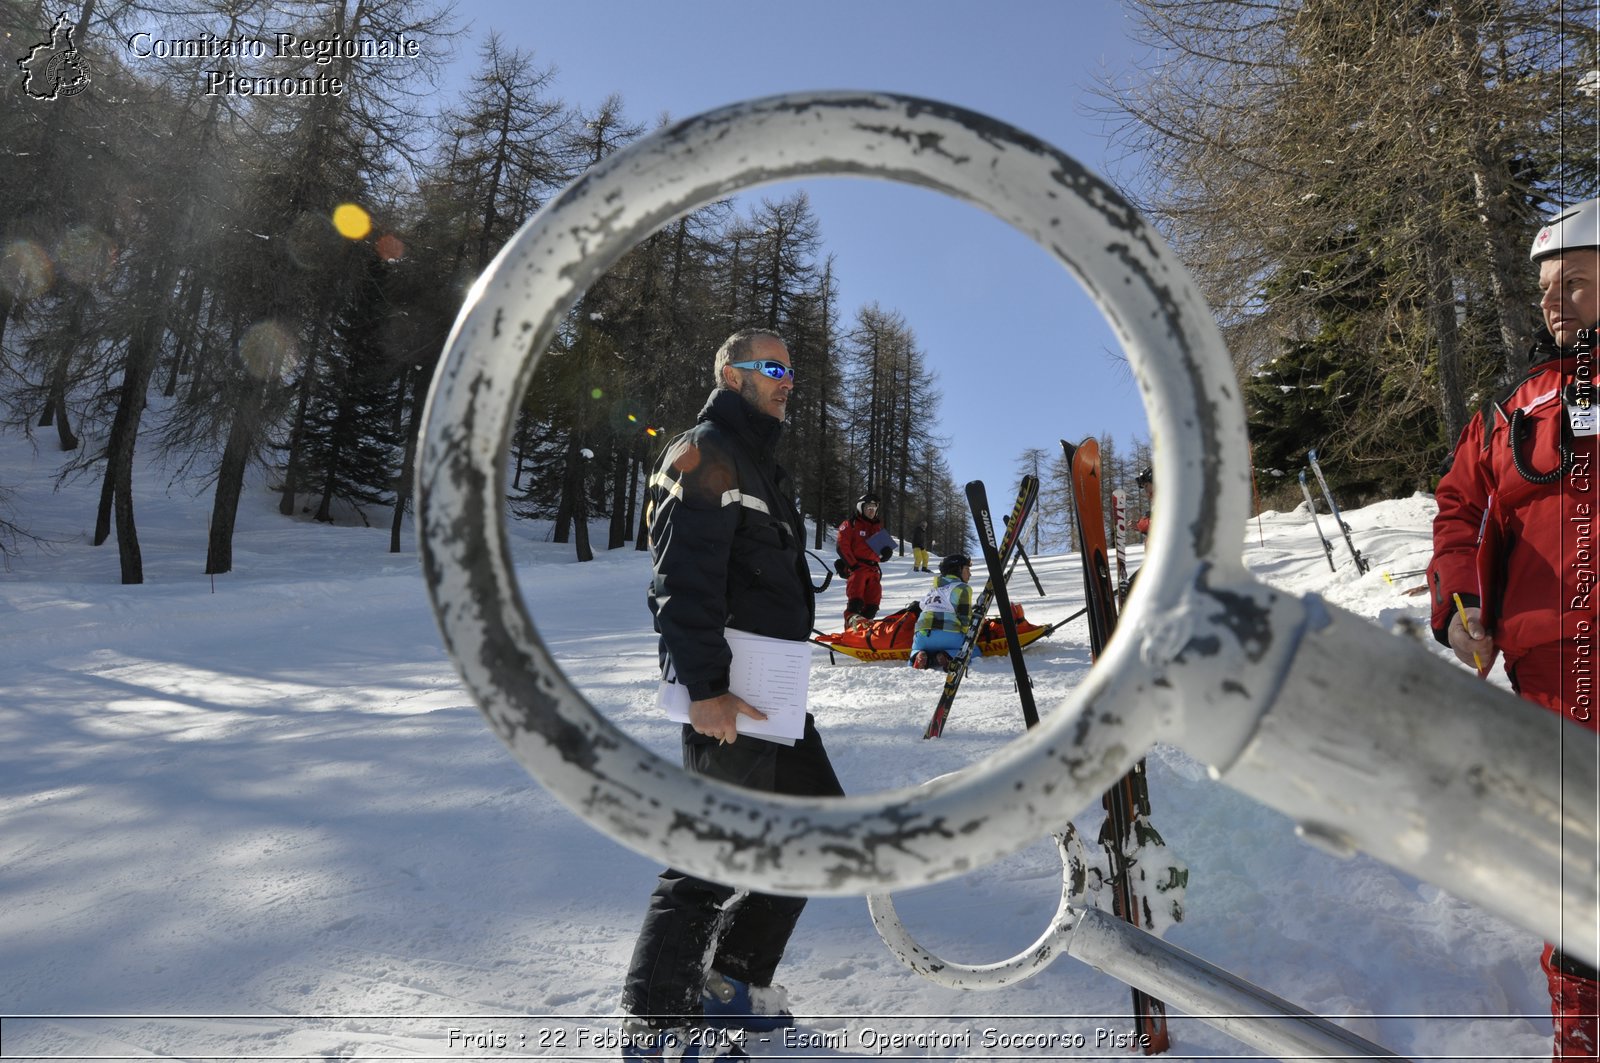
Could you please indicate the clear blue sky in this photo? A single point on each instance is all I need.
(1022, 356)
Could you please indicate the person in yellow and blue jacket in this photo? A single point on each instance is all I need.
(946, 615)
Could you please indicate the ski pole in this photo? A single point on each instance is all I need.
(1023, 557)
(1029, 565)
(1392, 576)
(1065, 620)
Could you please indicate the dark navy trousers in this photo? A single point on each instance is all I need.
(693, 924)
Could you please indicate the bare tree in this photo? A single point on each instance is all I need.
(1361, 173)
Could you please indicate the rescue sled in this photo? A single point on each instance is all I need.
(889, 638)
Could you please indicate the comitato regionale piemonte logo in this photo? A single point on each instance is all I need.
(54, 68)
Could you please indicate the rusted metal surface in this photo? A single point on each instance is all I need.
(1249, 679)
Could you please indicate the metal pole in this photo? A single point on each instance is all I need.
(1218, 998)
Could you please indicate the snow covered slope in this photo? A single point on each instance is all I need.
(262, 819)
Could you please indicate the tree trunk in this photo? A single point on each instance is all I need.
(1442, 309)
(341, 428)
(117, 489)
(202, 360)
(641, 539)
(325, 506)
(252, 401)
(563, 522)
(296, 434)
(574, 500)
(402, 487)
(1505, 265)
(619, 499)
(230, 485)
(190, 315)
(55, 406)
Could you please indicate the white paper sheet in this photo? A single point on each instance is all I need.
(773, 675)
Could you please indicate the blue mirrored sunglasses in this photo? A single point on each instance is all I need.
(776, 370)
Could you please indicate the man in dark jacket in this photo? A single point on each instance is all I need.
(727, 544)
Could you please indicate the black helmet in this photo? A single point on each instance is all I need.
(864, 501)
(1146, 474)
(952, 565)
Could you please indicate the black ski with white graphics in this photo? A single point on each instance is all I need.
(1119, 542)
(978, 500)
(1311, 505)
(1027, 495)
(1127, 827)
(1333, 507)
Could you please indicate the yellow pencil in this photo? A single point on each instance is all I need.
(1461, 610)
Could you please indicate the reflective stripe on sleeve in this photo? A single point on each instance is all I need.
(674, 488)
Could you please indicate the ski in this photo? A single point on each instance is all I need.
(1327, 547)
(1027, 495)
(1119, 542)
(1333, 508)
(1022, 556)
(1127, 804)
(978, 501)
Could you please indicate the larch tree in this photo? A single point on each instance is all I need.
(1295, 152)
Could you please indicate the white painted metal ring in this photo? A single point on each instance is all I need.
(1023, 792)
(1054, 941)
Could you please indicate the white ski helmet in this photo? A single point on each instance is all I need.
(1574, 227)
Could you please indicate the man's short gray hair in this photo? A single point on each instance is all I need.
(736, 348)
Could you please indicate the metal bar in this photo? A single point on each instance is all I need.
(1432, 771)
(1217, 997)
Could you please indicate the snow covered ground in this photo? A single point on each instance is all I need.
(260, 819)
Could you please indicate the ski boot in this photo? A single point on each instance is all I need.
(641, 1041)
(732, 1004)
(919, 659)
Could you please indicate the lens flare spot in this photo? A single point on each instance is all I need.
(391, 248)
(85, 256)
(25, 270)
(596, 393)
(311, 242)
(268, 349)
(352, 222)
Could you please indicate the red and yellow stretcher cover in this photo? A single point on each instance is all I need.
(889, 638)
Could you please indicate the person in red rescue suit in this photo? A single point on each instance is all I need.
(1515, 538)
(864, 583)
(1147, 483)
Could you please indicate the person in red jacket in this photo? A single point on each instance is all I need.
(863, 545)
(1515, 539)
(1147, 483)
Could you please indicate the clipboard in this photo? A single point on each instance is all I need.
(772, 674)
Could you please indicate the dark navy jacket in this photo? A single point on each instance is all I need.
(727, 543)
